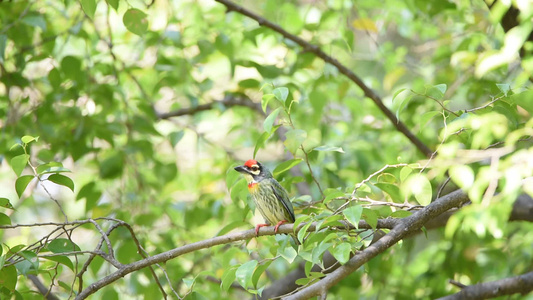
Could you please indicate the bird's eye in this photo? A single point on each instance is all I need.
(255, 168)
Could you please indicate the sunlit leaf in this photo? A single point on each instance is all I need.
(353, 214)
(244, 273)
(329, 148)
(135, 21)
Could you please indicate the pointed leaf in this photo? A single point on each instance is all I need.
(62, 245)
(62, 180)
(89, 7)
(244, 273)
(286, 165)
(4, 219)
(28, 139)
(261, 141)
(329, 148)
(342, 252)
(281, 94)
(21, 184)
(269, 121)
(19, 162)
(353, 214)
(371, 217)
(4, 202)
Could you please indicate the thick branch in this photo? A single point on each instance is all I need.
(404, 228)
(219, 240)
(522, 284)
(343, 69)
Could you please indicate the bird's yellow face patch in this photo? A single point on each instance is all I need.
(254, 169)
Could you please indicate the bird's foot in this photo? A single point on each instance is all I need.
(259, 226)
(277, 225)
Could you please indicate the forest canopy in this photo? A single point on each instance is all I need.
(401, 131)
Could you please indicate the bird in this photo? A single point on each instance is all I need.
(271, 199)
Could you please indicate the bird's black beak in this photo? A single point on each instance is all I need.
(241, 169)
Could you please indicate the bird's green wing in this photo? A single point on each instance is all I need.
(283, 197)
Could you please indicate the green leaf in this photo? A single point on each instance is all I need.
(261, 141)
(19, 162)
(62, 260)
(28, 139)
(175, 137)
(371, 217)
(113, 3)
(61, 245)
(89, 7)
(269, 121)
(3, 43)
(294, 139)
(21, 184)
(228, 278)
(303, 232)
(29, 265)
(35, 21)
(332, 194)
(392, 190)
(441, 87)
(404, 172)
(353, 214)
(329, 148)
(420, 187)
(288, 253)
(4, 202)
(244, 273)
(91, 194)
(286, 165)
(112, 165)
(281, 94)
(342, 252)
(4, 219)
(264, 101)
(524, 100)
(8, 278)
(135, 21)
(402, 101)
(259, 271)
(504, 88)
(62, 180)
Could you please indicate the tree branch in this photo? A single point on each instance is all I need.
(522, 284)
(405, 227)
(228, 101)
(343, 69)
(219, 240)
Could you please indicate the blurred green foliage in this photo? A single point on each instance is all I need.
(84, 86)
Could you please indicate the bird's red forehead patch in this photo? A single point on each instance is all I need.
(249, 163)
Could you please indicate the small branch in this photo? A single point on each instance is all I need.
(436, 100)
(228, 101)
(522, 284)
(219, 240)
(483, 106)
(342, 69)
